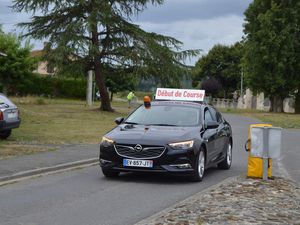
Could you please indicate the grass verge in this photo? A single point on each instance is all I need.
(58, 121)
(284, 120)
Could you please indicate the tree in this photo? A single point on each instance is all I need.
(118, 80)
(211, 86)
(222, 63)
(101, 34)
(16, 64)
(271, 60)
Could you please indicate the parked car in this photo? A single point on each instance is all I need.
(9, 116)
(175, 137)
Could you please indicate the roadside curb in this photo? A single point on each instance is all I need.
(43, 170)
(147, 220)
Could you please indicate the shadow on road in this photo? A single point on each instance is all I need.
(159, 178)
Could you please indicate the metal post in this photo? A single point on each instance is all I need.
(265, 152)
(89, 88)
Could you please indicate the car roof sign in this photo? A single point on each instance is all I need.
(179, 94)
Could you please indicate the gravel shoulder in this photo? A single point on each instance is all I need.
(237, 201)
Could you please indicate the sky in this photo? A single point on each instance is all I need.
(199, 24)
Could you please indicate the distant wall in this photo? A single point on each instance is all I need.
(248, 101)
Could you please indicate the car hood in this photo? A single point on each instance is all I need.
(153, 135)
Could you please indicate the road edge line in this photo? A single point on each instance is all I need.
(43, 170)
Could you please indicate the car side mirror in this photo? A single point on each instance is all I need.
(211, 125)
(119, 120)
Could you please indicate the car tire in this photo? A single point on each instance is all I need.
(226, 163)
(110, 173)
(199, 167)
(5, 134)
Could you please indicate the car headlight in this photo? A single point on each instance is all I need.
(182, 145)
(107, 141)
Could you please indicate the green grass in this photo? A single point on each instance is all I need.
(284, 120)
(63, 121)
(58, 121)
(139, 94)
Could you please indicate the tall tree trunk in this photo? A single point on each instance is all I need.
(276, 104)
(297, 102)
(105, 102)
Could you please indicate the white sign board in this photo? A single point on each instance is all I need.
(179, 94)
(274, 141)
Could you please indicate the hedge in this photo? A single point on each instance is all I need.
(50, 86)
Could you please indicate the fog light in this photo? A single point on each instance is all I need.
(104, 162)
(182, 166)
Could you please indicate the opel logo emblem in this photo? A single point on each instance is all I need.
(138, 148)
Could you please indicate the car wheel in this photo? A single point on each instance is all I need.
(5, 134)
(199, 167)
(110, 173)
(226, 163)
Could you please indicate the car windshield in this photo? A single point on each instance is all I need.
(165, 115)
(5, 100)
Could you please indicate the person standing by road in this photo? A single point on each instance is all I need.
(130, 96)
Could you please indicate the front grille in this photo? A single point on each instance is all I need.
(147, 152)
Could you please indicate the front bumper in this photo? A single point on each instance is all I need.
(177, 162)
(4, 125)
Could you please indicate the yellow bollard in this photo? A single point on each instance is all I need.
(255, 164)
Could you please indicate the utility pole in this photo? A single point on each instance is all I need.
(242, 80)
(89, 83)
(89, 89)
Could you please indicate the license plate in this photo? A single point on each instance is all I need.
(138, 163)
(11, 115)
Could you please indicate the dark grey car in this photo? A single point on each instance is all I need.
(175, 137)
(9, 116)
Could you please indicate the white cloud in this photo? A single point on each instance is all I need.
(199, 24)
(201, 34)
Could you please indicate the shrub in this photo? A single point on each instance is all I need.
(40, 101)
(50, 86)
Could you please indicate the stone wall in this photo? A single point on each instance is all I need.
(248, 101)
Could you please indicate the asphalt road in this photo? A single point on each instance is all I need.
(85, 197)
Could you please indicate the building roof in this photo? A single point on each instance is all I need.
(37, 53)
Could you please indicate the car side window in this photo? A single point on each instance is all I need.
(213, 114)
(216, 115)
(207, 116)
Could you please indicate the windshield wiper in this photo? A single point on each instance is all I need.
(133, 123)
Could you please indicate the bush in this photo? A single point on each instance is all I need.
(40, 101)
(50, 86)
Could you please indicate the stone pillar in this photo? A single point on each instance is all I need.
(240, 103)
(248, 99)
(289, 105)
(260, 101)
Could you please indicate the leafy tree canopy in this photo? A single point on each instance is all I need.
(16, 64)
(223, 64)
(118, 80)
(272, 56)
(100, 33)
(211, 86)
